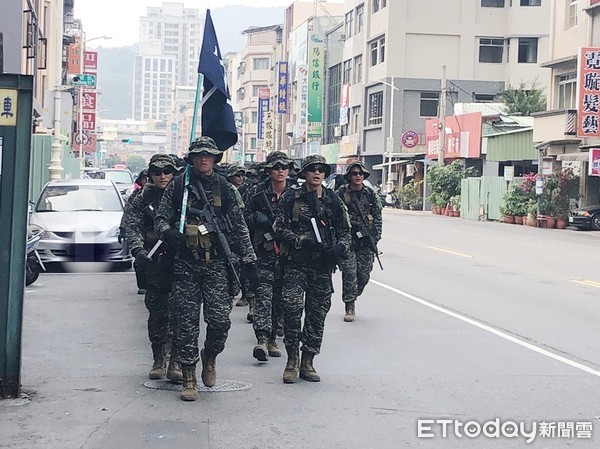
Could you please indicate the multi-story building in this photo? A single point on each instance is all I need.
(575, 24)
(401, 46)
(170, 40)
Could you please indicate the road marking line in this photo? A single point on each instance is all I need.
(491, 330)
(465, 233)
(586, 282)
(454, 253)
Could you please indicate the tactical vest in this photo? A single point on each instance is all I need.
(150, 200)
(365, 203)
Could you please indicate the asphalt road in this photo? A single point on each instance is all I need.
(469, 321)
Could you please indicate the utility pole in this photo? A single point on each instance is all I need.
(390, 145)
(442, 130)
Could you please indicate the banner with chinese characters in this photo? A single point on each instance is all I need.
(344, 104)
(588, 98)
(282, 87)
(269, 143)
(263, 107)
(594, 165)
(463, 136)
(301, 102)
(8, 106)
(74, 57)
(316, 80)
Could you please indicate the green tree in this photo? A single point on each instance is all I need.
(445, 180)
(136, 163)
(112, 160)
(525, 99)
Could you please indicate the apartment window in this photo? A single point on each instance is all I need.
(260, 63)
(373, 53)
(382, 49)
(254, 117)
(358, 69)
(567, 91)
(333, 101)
(147, 64)
(348, 24)
(377, 48)
(492, 3)
(347, 72)
(383, 3)
(573, 11)
(360, 12)
(375, 6)
(531, 2)
(241, 93)
(375, 108)
(484, 98)
(528, 48)
(253, 143)
(490, 50)
(429, 104)
(355, 119)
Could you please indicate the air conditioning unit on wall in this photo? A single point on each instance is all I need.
(337, 132)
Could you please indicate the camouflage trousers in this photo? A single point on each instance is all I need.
(268, 307)
(356, 271)
(197, 283)
(308, 290)
(157, 300)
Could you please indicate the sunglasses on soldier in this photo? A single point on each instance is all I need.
(280, 167)
(158, 171)
(357, 173)
(316, 168)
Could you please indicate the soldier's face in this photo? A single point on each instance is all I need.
(357, 176)
(279, 172)
(236, 179)
(162, 176)
(203, 163)
(314, 175)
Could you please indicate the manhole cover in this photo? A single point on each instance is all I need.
(221, 385)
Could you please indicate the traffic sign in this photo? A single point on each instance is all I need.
(81, 79)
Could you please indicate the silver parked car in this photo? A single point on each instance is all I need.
(81, 220)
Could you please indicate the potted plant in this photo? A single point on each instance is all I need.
(532, 213)
(455, 203)
(567, 187)
(445, 181)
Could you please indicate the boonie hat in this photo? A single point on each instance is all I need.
(314, 159)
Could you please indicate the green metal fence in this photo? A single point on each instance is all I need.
(481, 198)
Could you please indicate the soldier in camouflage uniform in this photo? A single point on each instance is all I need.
(235, 174)
(201, 271)
(141, 237)
(310, 259)
(261, 201)
(357, 267)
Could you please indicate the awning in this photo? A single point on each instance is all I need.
(572, 157)
(387, 164)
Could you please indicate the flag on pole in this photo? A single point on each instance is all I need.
(217, 113)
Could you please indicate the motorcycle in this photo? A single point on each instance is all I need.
(33, 263)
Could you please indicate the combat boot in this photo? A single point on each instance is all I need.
(350, 313)
(290, 374)
(307, 371)
(190, 385)
(158, 368)
(174, 373)
(250, 315)
(260, 352)
(273, 349)
(209, 367)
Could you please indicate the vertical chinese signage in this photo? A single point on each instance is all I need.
(75, 57)
(316, 80)
(594, 165)
(588, 100)
(86, 130)
(269, 132)
(301, 102)
(8, 108)
(282, 88)
(264, 94)
(344, 104)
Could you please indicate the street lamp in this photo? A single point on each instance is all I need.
(390, 142)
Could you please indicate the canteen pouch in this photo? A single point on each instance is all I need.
(191, 236)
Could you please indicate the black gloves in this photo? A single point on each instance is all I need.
(174, 238)
(261, 220)
(121, 236)
(310, 244)
(331, 256)
(141, 258)
(251, 273)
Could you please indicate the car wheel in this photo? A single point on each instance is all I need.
(595, 222)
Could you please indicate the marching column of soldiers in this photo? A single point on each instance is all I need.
(202, 236)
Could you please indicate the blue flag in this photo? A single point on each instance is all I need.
(217, 113)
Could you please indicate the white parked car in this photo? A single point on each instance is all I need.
(81, 219)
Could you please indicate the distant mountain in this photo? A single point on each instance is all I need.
(115, 64)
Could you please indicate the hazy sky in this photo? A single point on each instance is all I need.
(120, 18)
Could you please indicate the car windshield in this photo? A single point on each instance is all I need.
(79, 198)
(117, 176)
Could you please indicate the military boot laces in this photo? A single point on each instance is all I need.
(209, 370)
(158, 367)
(290, 374)
(350, 312)
(174, 373)
(307, 371)
(260, 352)
(190, 385)
(273, 349)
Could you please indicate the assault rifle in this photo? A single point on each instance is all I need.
(328, 240)
(364, 231)
(264, 204)
(212, 223)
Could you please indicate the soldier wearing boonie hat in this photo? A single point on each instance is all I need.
(202, 277)
(157, 271)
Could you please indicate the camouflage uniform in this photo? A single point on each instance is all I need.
(268, 312)
(307, 277)
(158, 271)
(140, 276)
(357, 267)
(201, 274)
